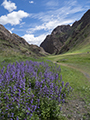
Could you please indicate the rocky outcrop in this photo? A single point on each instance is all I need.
(80, 32)
(54, 42)
(15, 39)
(38, 50)
(16, 43)
(65, 37)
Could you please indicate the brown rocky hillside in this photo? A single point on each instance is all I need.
(12, 43)
(66, 38)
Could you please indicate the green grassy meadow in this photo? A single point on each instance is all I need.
(75, 69)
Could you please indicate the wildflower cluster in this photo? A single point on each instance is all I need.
(31, 90)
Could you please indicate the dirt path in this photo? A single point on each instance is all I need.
(76, 108)
(85, 74)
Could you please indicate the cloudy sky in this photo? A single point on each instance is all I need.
(35, 19)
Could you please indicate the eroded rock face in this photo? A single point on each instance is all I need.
(17, 43)
(54, 42)
(80, 32)
(38, 50)
(63, 38)
(6, 35)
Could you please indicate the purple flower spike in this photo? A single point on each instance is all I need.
(60, 77)
(17, 118)
(66, 84)
(63, 100)
(62, 83)
(56, 76)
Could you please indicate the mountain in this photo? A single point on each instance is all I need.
(13, 44)
(54, 42)
(69, 38)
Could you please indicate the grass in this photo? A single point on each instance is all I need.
(73, 66)
(75, 69)
(77, 81)
(78, 42)
(79, 61)
(84, 47)
(74, 76)
(31, 90)
(6, 59)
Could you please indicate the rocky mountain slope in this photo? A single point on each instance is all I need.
(67, 38)
(13, 44)
(54, 42)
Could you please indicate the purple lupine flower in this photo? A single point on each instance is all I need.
(31, 101)
(51, 86)
(60, 77)
(29, 108)
(60, 89)
(38, 100)
(12, 114)
(17, 118)
(62, 96)
(19, 77)
(56, 88)
(66, 84)
(59, 100)
(30, 115)
(63, 100)
(56, 76)
(35, 107)
(62, 83)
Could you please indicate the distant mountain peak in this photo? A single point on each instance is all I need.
(54, 42)
(66, 37)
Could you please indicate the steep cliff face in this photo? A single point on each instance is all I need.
(54, 42)
(12, 42)
(64, 38)
(80, 34)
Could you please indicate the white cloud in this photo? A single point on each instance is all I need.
(31, 39)
(71, 2)
(11, 30)
(13, 18)
(21, 24)
(51, 19)
(60, 13)
(47, 20)
(9, 5)
(52, 3)
(31, 2)
(49, 26)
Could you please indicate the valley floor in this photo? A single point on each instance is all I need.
(78, 69)
(75, 68)
(76, 107)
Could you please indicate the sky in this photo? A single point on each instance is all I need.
(35, 19)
